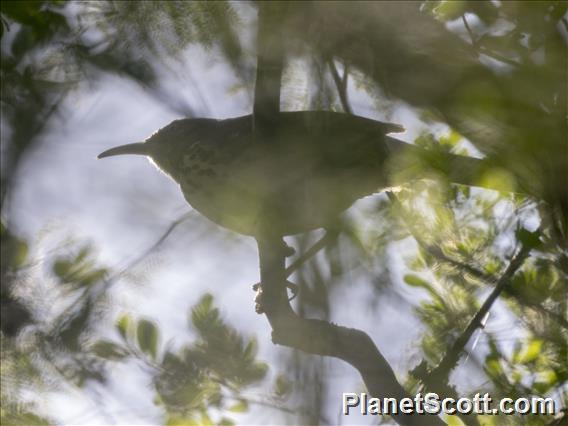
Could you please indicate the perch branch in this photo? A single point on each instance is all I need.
(322, 338)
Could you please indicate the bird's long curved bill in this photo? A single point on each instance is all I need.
(139, 148)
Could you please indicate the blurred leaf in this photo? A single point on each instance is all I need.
(206, 420)
(16, 416)
(453, 420)
(14, 250)
(181, 421)
(532, 352)
(226, 422)
(78, 271)
(416, 281)
(282, 386)
(240, 407)
(122, 325)
(147, 334)
(74, 325)
(494, 368)
(486, 10)
(109, 350)
(449, 10)
(499, 178)
(486, 420)
(529, 239)
(204, 316)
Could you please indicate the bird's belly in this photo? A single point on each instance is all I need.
(285, 205)
(234, 209)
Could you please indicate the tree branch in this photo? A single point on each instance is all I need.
(341, 84)
(322, 338)
(269, 69)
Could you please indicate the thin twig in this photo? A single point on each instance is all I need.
(484, 50)
(449, 361)
(565, 22)
(154, 246)
(470, 32)
(442, 370)
(439, 255)
(341, 84)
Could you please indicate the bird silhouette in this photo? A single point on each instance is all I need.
(314, 166)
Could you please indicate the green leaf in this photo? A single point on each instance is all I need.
(416, 281)
(180, 421)
(61, 268)
(486, 420)
(529, 239)
(493, 367)
(532, 352)
(206, 420)
(122, 325)
(450, 10)
(282, 386)
(20, 253)
(240, 407)
(109, 350)
(498, 178)
(453, 420)
(147, 334)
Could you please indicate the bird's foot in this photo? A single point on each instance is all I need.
(258, 308)
(294, 289)
(258, 305)
(287, 250)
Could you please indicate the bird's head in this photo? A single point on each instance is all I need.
(160, 156)
(163, 148)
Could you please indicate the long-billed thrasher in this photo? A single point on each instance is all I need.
(315, 165)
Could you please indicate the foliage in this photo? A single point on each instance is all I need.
(191, 383)
(210, 373)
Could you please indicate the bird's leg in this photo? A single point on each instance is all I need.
(273, 252)
(285, 251)
(321, 243)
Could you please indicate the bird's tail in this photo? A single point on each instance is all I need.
(410, 162)
(139, 148)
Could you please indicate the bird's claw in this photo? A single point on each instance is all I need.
(258, 306)
(294, 288)
(287, 250)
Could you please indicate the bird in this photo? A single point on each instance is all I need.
(314, 166)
